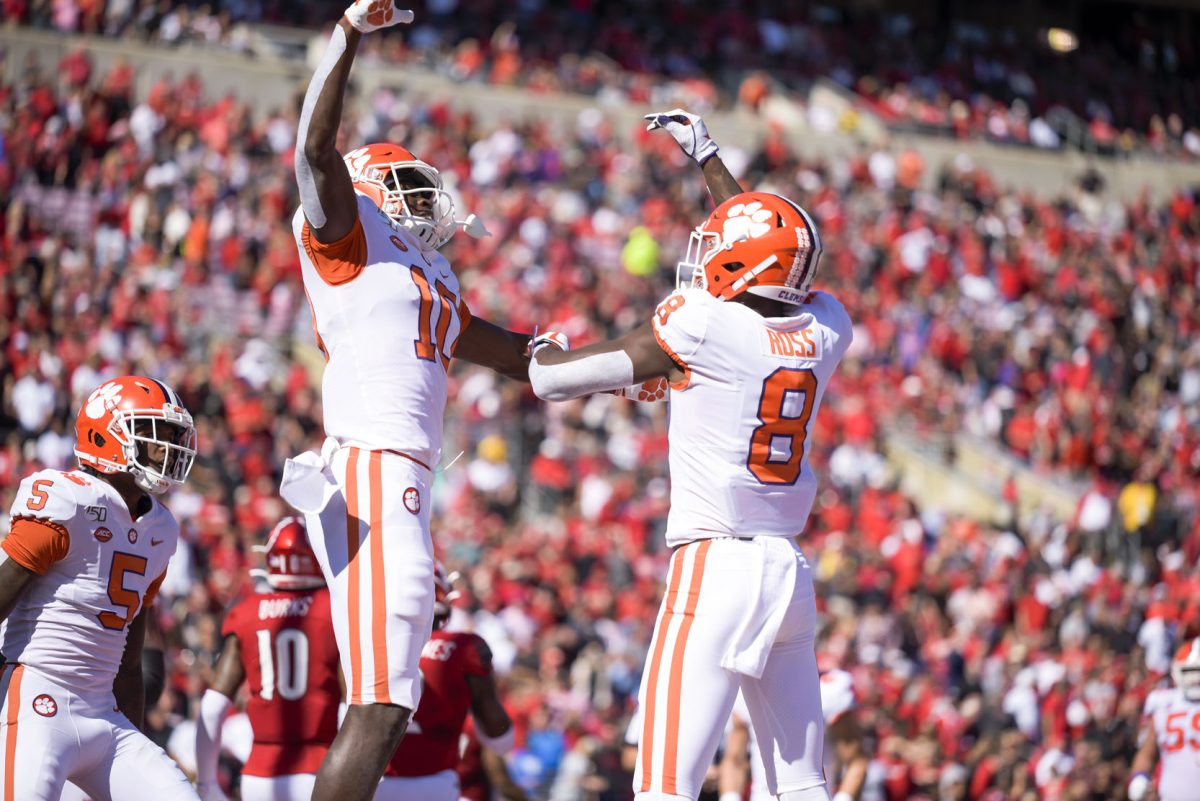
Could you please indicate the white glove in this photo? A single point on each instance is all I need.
(555, 338)
(689, 131)
(1138, 786)
(210, 791)
(371, 15)
(648, 392)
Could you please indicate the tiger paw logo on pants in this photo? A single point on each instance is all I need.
(746, 221)
(45, 706)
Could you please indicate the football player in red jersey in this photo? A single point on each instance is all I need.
(291, 663)
(457, 670)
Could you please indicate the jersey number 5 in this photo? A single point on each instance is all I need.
(122, 563)
(427, 346)
(777, 445)
(286, 668)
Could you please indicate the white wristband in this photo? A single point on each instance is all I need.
(843, 797)
(1138, 786)
(497, 745)
(730, 795)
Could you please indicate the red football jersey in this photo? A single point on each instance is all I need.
(432, 742)
(291, 664)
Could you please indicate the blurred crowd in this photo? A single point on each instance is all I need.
(995, 659)
(1136, 88)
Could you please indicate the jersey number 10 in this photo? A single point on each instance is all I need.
(428, 347)
(781, 425)
(284, 667)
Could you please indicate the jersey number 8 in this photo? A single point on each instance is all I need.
(783, 425)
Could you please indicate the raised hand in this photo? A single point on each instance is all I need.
(371, 15)
(689, 131)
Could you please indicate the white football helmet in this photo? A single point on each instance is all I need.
(1185, 669)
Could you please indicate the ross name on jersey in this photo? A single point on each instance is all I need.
(801, 344)
(438, 650)
(271, 608)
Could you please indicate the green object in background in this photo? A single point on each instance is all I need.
(640, 255)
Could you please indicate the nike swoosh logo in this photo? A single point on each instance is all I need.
(155, 542)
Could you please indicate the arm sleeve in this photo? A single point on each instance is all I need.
(464, 316)
(230, 626)
(152, 591)
(338, 262)
(835, 318)
(477, 657)
(40, 512)
(213, 707)
(680, 323)
(36, 544)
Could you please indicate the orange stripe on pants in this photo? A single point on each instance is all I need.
(353, 580)
(13, 706)
(664, 622)
(675, 682)
(378, 581)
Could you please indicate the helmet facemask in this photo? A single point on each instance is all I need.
(413, 198)
(159, 446)
(1187, 679)
(703, 246)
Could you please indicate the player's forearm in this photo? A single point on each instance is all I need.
(321, 113)
(731, 780)
(130, 693)
(497, 773)
(13, 578)
(1143, 761)
(488, 345)
(213, 708)
(561, 375)
(854, 778)
(316, 157)
(721, 183)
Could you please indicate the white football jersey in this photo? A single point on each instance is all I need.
(388, 322)
(741, 415)
(71, 621)
(1177, 728)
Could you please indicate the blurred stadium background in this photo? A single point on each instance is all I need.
(1007, 539)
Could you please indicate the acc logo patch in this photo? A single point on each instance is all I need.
(45, 706)
(412, 500)
(132, 536)
(102, 534)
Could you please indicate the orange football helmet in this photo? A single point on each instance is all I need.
(291, 562)
(443, 593)
(122, 418)
(377, 171)
(754, 242)
(1185, 669)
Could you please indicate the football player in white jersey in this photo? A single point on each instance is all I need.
(748, 350)
(83, 559)
(388, 313)
(1172, 733)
